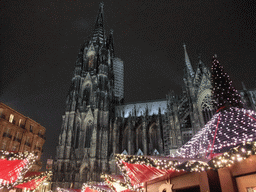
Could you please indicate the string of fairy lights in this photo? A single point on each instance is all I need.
(115, 184)
(96, 186)
(27, 160)
(236, 126)
(39, 180)
(235, 154)
(224, 94)
(17, 164)
(120, 158)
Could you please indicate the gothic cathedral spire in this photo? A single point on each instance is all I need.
(99, 32)
(189, 68)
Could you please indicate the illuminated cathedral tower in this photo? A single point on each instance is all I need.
(97, 124)
(83, 151)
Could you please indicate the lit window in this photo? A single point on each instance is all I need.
(11, 118)
(20, 121)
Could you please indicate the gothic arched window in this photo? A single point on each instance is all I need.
(125, 139)
(139, 144)
(87, 94)
(90, 64)
(207, 102)
(207, 108)
(153, 138)
(88, 134)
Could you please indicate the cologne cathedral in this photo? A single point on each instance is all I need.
(97, 124)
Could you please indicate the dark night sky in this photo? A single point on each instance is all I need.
(40, 41)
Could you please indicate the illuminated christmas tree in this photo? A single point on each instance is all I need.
(231, 125)
(224, 94)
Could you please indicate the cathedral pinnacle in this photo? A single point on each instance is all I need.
(188, 64)
(244, 88)
(101, 5)
(99, 33)
(200, 63)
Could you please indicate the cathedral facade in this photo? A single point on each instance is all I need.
(97, 124)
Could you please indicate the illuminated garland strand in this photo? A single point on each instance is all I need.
(233, 155)
(29, 160)
(14, 155)
(110, 184)
(121, 167)
(95, 186)
(46, 174)
(145, 160)
(110, 180)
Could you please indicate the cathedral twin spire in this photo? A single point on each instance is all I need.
(98, 49)
(188, 63)
(99, 32)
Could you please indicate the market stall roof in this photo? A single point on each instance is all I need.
(138, 170)
(13, 167)
(117, 183)
(143, 173)
(96, 187)
(33, 180)
(141, 169)
(87, 189)
(228, 128)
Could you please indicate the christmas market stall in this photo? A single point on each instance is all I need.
(139, 170)
(13, 167)
(151, 173)
(33, 180)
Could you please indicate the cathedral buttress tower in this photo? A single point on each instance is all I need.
(192, 118)
(83, 150)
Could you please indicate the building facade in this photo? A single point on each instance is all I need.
(97, 124)
(19, 134)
